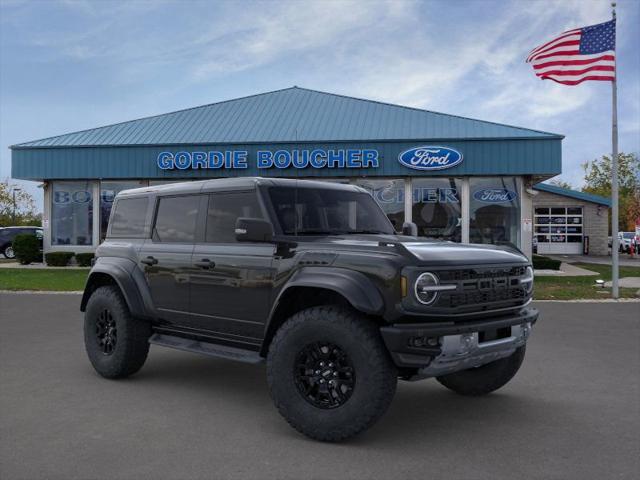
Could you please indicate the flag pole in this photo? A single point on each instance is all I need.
(614, 177)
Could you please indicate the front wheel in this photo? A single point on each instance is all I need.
(329, 373)
(486, 378)
(117, 344)
(8, 252)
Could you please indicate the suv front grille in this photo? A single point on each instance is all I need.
(483, 287)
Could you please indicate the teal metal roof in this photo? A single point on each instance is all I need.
(565, 192)
(291, 115)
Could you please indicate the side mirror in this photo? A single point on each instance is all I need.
(253, 230)
(410, 228)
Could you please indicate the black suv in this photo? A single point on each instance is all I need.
(7, 234)
(311, 278)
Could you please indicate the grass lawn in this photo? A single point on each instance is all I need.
(569, 288)
(62, 280)
(546, 288)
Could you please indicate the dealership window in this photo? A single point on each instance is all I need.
(108, 192)
(436, 207)
(494, 211)
(176, 219)
(389, 194)
(72, 213)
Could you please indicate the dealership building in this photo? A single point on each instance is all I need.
(456, 178)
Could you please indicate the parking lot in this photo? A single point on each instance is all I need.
(571, 412)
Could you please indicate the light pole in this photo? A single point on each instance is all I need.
(15, 189)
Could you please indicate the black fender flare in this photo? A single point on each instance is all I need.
(354, 286)
(129, 278)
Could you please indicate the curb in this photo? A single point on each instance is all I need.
(41, 292)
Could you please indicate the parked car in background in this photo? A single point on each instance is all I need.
(625, 240)
(7, 234)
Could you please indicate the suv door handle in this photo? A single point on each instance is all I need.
(205, 263)
(149, 260)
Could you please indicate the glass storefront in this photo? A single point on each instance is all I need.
(72, 213)
(494, 211)
(108, 192)
(437, 209)
(389, 193)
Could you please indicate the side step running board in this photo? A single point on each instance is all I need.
(214, 350)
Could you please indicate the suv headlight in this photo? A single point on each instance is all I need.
(426, 288)
(527, 280)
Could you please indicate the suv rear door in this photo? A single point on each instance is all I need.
(166, 257)
(231, 287)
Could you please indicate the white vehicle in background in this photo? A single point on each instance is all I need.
(625, 239)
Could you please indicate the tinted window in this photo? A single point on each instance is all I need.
(128, 217)
(318, 211)
(224, 210)
(176, 219)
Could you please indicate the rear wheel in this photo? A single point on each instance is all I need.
(117, 344)
(485, 379)
(329, 373)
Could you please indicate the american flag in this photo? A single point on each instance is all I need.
(587, 53)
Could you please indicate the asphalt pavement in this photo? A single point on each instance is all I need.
(573, 411)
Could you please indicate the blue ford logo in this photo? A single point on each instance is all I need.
(430, 158)
(495, 195)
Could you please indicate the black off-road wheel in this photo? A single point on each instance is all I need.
(117, 344)
(485, 379)
(329, 373)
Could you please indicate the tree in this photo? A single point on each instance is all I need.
(25, 207)
(558, 182)
(597, 180)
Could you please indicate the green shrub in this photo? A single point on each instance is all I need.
(545, 263)
(27, 248)
(84, 259)
(58, 259)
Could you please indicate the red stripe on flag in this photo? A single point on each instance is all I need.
(600, 68)
(569, 51)
(557, 45)
(574, 62)
(565, 34)
(576, 82)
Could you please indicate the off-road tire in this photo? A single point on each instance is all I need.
(132, 341)
(375, 373)
(8, 252)
(485, 379)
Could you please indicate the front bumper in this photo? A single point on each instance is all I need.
(439, 348)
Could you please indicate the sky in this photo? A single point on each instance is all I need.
(72, 65)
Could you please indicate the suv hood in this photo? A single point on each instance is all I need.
(463, 253)
(427, 250)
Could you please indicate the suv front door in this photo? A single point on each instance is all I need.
(165, 259)
(232, 280)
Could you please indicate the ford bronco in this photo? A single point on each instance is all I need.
(311, 278)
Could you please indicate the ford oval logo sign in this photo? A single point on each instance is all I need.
(430, 158)
(495, 195)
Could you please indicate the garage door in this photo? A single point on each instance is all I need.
(558, 229)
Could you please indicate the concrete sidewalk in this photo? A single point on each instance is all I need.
(624, 259)
(566, 270)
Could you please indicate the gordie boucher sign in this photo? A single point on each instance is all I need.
(418, 158)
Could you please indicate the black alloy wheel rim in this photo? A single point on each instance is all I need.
(106, 332)
(324, 375)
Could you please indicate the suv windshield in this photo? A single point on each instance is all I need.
(318, 211)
